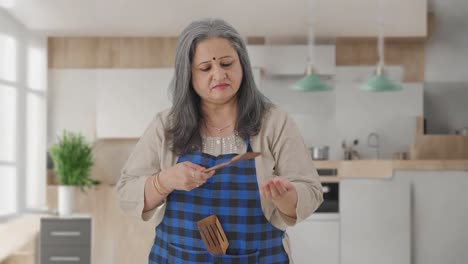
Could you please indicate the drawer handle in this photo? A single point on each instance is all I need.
(65, 233)
(60, 258)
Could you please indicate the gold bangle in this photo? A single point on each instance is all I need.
(158, 186)
(166, 191)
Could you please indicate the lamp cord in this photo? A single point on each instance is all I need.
(381, 39)
(310, 38)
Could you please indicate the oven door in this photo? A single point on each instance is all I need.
(330, 193)
(330, 198)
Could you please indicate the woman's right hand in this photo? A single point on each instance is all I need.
(184, 176)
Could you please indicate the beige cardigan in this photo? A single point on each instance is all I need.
(283, 153)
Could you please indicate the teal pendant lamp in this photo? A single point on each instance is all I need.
(311, 82)
(380, 82)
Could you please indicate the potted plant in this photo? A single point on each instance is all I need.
(73, 159)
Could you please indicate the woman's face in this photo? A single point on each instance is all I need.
(216, 71)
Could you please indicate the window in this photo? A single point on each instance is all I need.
(8, 126)
(8, 57)
(23, 94)
(35, 151)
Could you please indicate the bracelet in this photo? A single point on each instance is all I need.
(158, 187)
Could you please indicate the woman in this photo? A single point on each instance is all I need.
(217, 112)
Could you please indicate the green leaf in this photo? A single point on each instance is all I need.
(73, 159)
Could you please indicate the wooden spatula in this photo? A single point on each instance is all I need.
(213, 235)
(245, 156)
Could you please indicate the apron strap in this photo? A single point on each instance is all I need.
(247, 143)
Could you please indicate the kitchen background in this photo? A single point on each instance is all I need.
(107, 84)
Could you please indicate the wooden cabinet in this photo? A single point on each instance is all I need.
(316, 239)
(65, 240)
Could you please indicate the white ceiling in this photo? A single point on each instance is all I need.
(251, 17)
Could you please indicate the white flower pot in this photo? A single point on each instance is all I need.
(66, 199)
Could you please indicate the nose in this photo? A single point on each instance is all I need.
(219, 73)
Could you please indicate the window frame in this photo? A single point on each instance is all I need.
(25, 43)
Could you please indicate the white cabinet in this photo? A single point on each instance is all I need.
(291, 59)
(128, 99)
(110, 103)
(375, 221)
(316, 239)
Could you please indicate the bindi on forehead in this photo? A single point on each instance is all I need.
(214, 58)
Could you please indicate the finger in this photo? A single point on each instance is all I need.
(193, 165)
(198, 184)
(191, 186)
(264, 192)
(206, 175)
(196, 176)
(268, 193)
(275, 193)
(191, 178)
(188, 186)
(285, 182)
(280, 186)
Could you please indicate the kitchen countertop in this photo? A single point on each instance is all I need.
(323, 217)
(385, 168)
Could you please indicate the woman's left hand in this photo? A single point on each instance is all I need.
(282, 193)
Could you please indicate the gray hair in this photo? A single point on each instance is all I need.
(185, 113)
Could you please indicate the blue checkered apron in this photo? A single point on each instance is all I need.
(232, 195)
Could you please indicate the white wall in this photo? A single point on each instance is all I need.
(323, 118)
(327, 118)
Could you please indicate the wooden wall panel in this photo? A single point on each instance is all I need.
(410, 53)
(72, 52)
(159, 52)
(111, 52)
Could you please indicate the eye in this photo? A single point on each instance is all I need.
(205, 69)
(226, 64)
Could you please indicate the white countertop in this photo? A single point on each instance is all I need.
(324, 217)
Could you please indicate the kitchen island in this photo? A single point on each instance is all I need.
(408, 211)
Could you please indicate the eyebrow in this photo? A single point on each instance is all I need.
(218, 58)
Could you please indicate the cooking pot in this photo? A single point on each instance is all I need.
(319, 152)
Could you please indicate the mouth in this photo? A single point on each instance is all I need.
(220, 86)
